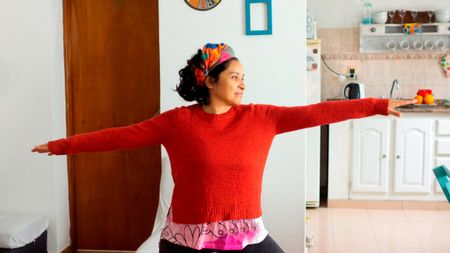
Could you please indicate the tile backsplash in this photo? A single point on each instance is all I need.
(414, 70)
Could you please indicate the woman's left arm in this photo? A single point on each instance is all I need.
(298, 117)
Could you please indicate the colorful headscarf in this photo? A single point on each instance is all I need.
(213, 55)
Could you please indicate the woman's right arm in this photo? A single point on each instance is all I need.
(142, 134)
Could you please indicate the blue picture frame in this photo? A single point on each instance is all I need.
(248, 30)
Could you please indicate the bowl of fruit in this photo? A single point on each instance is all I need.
(425, 97)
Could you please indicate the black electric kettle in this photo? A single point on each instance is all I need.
(353, 91)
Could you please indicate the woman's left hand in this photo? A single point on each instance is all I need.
(396, 103)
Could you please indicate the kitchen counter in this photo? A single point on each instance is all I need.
(439, 107)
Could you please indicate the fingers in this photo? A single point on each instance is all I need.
(43, 148)
(407, 102)
(397, 103)
(394, 112)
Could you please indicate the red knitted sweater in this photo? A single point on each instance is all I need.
(218, 160)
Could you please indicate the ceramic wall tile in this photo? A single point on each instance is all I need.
(327, 75)
(376, 91)
(440, 92)
(371, 72)
(431, 74)
(332, 91)
(405, 72)
(420, 73)
(349, 40)
(445, 80)
(330, 41)
(389, 73)
(410, 92)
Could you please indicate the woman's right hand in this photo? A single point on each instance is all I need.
(43, 148)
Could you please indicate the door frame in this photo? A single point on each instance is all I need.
(69, 119)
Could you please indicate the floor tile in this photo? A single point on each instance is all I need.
(446, 215)
(357, 250)
(351, 217)
(433, 234)
(438, 250)
(401, 250)
(320, 249)
(396, 236)
(387, 216)
(422, 215)
(354, 237)
(379, 230)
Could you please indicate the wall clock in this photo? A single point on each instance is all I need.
(203, 5)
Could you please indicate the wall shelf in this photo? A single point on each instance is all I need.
(387, 55)
(392, 38)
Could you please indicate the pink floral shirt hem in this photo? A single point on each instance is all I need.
(221, 235)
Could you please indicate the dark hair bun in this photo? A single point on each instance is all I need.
(188, 88)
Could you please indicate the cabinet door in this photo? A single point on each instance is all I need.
(370, 155)
(412, 156)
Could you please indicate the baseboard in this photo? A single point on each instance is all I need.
(393, 204)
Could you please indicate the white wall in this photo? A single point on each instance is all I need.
(347, 13)
(32, 104)
(275, 73)
(32, 111)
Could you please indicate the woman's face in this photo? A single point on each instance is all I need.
(229, 88)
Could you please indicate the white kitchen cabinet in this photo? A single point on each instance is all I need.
(412, 155)
(388, 158)
(370, 160)
(442, 149)
(443, 127)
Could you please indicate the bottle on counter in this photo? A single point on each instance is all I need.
(367, 12)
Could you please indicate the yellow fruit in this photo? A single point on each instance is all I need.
(429, 99)
(419, 99)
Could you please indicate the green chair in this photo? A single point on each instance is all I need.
(442, 175)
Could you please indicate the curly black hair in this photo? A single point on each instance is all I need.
(188, 88)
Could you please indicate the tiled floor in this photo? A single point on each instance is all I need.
(339, 230)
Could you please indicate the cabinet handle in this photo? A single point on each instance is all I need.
(384, 156)
(398, 156)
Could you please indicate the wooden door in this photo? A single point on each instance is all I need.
(370, 155)
(412, 157)
(112, 79)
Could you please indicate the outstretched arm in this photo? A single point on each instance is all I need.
(287, 119)
(145, 133)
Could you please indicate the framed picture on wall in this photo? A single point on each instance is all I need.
(258, 17)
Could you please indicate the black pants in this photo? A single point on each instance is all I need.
(268, 245)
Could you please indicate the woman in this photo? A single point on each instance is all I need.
(214, 144)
